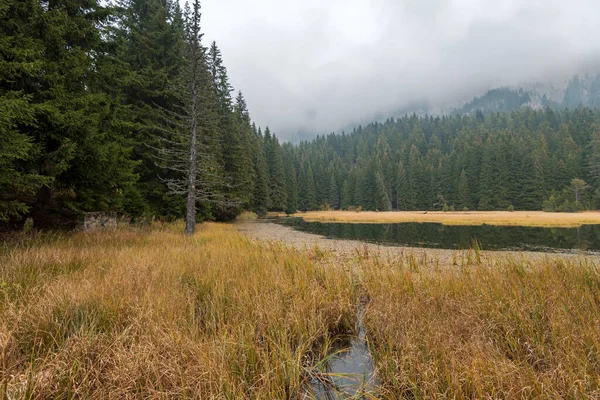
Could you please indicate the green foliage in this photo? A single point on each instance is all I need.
(88, 90)
(277, 181)
(261, 188)
(85, 88)
(485, 162)
(561, 202)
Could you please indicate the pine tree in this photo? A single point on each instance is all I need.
(274, 158)
(593, 158)
(232, 128)
(190, 141)
(291, 183)
(21, 56)
(57, 57)
(346, 195)
(463, 190)
(152, 32)
(334, 194)
(382, 199)
(261, 188)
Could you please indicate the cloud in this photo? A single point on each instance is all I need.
(311, 66)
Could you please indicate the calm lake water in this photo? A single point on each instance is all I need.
(432, 235)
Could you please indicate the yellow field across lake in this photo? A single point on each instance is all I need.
(503, 218)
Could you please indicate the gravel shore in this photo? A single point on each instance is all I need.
(272, 232)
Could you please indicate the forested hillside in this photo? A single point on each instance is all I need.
(579, 91)
(523, 160)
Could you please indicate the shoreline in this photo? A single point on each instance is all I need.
(265, 231)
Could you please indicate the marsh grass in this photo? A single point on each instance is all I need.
(499, 218)
(515, 330)
(154, 314)
(149, 313)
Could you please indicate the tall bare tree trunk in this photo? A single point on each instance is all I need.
(190, 214)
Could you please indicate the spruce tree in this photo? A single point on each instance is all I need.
(382, 199)
(245, 178)
(261, 188)
(21, 55)
(463, 191)
(190, 137)
(402, 189)
(291, 183)
(593, 158)
(274, 158)
(152, 32)
(233, 129)
(311, 195)
(69, 121)
(334, 194)
(346, 195)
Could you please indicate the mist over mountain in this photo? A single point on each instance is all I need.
(579, 90)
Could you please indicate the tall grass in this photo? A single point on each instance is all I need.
(515, 330)
(154, 314)
(134, 314)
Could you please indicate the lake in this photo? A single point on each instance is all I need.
(435, 235)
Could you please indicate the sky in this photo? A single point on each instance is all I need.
(310, 67)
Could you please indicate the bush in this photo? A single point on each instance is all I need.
(325, 207)
(510, 208)
(561, 203)
(247, 216)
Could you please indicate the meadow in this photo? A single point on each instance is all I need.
(503, 218)
(150, 313)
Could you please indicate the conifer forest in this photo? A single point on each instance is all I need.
(122, 107)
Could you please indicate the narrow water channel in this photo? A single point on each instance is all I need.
(349, 371)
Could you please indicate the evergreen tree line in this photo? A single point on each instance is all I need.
(93, 98)
(524, 160)
(97, 100)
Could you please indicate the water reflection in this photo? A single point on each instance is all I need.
(434, 235)
(349, 371)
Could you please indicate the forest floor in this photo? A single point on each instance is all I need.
(504, 218)
(150, 313)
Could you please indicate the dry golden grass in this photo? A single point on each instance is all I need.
(518, 330)
(153, 314)
(156, 314)
(504, 218)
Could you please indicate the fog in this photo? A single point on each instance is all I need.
(309, 67)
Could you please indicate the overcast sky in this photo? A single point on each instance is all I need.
(317, 66)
